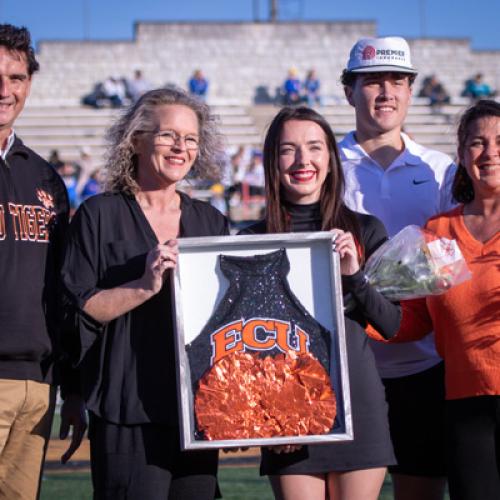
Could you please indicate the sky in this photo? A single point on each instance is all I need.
(114, 19)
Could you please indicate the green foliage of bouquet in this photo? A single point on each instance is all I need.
(416, 263)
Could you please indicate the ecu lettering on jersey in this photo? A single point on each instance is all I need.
(258, 334)
(259, 313)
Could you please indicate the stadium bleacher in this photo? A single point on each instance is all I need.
(238, 58)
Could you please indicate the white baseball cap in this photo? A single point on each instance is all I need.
(371, 55)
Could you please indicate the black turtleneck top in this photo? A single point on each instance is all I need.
(304, 217)
(362, 302)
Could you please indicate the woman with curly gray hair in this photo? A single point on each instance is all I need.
(120, 246)
(121, 166)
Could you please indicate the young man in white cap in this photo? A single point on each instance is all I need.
(401, 182)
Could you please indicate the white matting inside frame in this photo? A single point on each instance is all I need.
(314, 278)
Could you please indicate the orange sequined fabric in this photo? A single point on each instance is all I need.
(245, 396)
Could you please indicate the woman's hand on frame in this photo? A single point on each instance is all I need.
(345, 246)
(158, 260)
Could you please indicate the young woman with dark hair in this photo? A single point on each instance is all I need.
(304, 190)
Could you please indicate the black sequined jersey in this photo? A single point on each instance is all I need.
(258, 313)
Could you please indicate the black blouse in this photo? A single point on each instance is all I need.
(128, 364)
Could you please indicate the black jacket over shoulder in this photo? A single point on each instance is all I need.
(128, 364)
(33, 219)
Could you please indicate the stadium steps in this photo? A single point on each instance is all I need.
(435, 130)
(70, 128)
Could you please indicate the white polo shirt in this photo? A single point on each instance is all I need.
(416, 186)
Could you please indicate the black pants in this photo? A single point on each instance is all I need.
(144, 462)
(416, 419)
(473, 446)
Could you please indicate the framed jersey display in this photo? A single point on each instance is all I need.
(260, 341)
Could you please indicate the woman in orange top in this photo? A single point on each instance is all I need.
(466, 320)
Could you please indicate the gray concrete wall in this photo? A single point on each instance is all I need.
(239, 57)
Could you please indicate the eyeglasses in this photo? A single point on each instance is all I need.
(170, 138)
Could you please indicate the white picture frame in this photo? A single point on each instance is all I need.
(198, 286)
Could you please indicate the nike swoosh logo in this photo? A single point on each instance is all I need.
(420, 182)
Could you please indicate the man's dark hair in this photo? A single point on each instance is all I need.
(17, 39)
(348, 78)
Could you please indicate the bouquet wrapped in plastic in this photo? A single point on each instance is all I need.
(416, 263)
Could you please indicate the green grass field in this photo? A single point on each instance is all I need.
(237, 483)
(66, 486)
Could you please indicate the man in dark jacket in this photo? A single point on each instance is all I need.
(33, 218)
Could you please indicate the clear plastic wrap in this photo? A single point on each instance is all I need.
(416, 263)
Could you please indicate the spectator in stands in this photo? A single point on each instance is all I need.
(120, 290)
(55, 159)
(110, 92)
(476, 88)
(311, 88)
(95, 98)
(93, 185)
(254, 176)
(400, 182)
(434, 90)
(114, 91)
(198, 85)
(217, 198)
(466, 320)
(237, 166)
(85, 166)
(292, 92)
(137, 86)
(70, 174)
(235, 171)
(227, 170)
